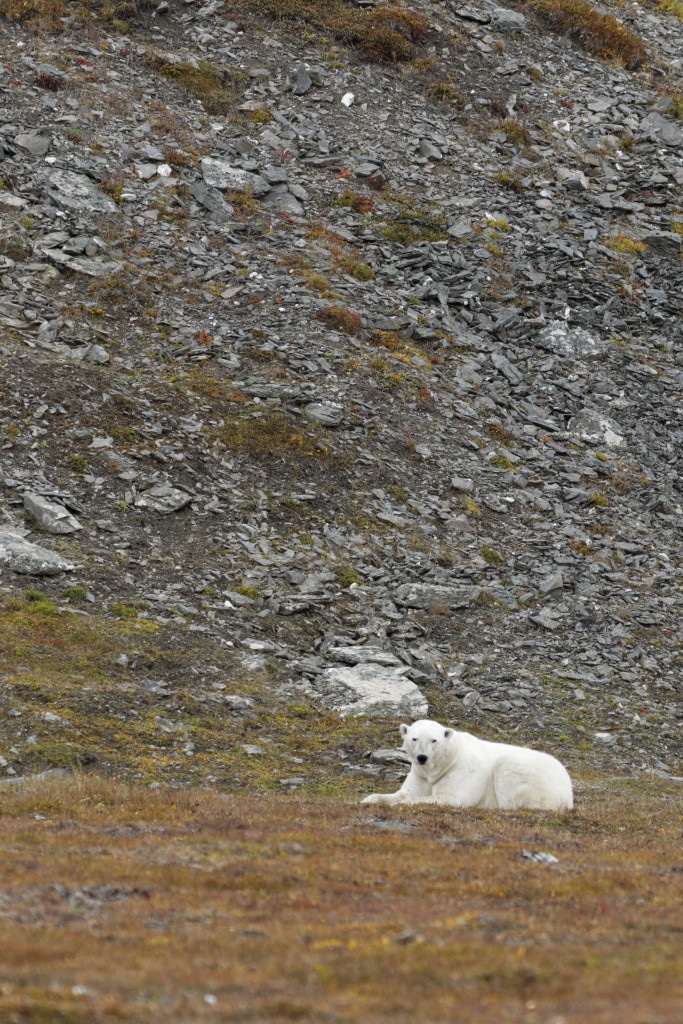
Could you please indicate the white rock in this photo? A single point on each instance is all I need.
(52, 516)
(22, 556)
(371, 690)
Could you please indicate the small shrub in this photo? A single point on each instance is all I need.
(251, 592)
(356, 268)
(356, 201)
(338, 318)
(447, 91)
(390, 340)
(509, 180)
(600, 34)
(346, 575)
(261, 116)
(621, 243)
(123, 611)
(598, 500)
(515, 131)
(497, 432)
(112, 186)
(40, 15)
(53, 83)
(490, 554)
(216, 89)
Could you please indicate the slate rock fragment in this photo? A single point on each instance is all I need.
(22, 556)
(593, 426)
(370, 689)
(51, 515)
(428, 596)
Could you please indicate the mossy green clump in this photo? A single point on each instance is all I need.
(502, 462)
(623, 244)
(216, 88)
(409, 221)
(246, 591)
(346, 574)
(490, 555)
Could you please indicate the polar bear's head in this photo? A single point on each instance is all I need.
(428, 745)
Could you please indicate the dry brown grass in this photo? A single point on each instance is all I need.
(217, 89)
(121, 904)
(41, 15)
(381, 34)
(338, 318)
(599, 33)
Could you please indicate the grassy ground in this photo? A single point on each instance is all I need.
(124, 904)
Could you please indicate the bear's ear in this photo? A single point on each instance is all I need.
(447, 733)
(404, 729)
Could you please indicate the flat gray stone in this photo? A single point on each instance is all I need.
(328, 414)
(303, 80)
(463, 484)
(281, 200)
(664, 243)
(596, 428)
(212, 200)
(571, 342)
(506, 21)
(371, 690)
(505, 367)
(52, 516)
(364, 656)
(222, 175)
(76, 193)
(430, 151)
(81, 264)
(428, 596)
(663, 129)
(552, 583)
(36, 145)
(164, 498)
(30, 559)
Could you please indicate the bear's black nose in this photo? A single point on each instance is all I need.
(422, 759)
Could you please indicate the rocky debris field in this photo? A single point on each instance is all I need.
(338, 378)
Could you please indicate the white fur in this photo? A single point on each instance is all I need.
(463, 771)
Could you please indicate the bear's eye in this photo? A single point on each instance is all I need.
(414, 739)
(433, 741)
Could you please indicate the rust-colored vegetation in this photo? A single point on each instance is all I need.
(382, 34)
(600, 34)
(125, 904)
(339, 318)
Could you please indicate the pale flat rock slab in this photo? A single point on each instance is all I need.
(221, 175)
(164, 498)
(371, 690)
(427, 596)
(36, 145)
(665, 130)
(596, 428)
(12, 202)
(571, 342)
(30, 559)
(81, 264)
(52, 516)
(76, 193)
(328, 414)
(364, 656)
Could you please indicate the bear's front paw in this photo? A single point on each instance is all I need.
(374, 798)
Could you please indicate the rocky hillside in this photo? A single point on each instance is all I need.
(342, 371)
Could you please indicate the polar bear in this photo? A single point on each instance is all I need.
(455, 768)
